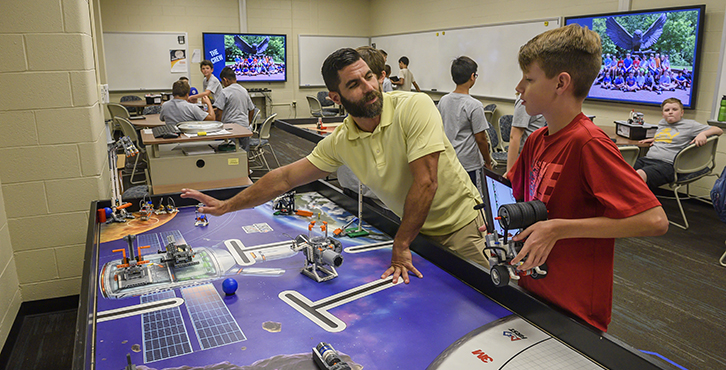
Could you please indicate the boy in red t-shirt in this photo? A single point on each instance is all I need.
(591, 193)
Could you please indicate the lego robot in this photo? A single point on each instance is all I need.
(322, 253)
(513, 216)
(200, 219)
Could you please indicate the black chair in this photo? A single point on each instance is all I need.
(325, 102)
(131, 98)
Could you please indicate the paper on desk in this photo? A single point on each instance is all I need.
(147, 131)
(213, 133)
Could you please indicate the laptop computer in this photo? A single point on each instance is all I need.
(497, 192)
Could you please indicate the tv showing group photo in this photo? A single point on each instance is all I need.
(648, 55)
(254, 57)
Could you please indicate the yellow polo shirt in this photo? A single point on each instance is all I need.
(410, 128)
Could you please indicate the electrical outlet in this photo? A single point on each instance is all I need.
(294, 104)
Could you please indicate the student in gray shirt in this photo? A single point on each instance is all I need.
(673, 134)
(235, 104)
(179, 110)
(464, 120)
(211, 85)
(522, 126)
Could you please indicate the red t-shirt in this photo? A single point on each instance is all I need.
(579, 173)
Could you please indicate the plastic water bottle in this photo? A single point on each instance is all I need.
(722, 110)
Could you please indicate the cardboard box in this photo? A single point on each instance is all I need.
(635, 131)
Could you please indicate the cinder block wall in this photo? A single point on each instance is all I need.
(52, 149)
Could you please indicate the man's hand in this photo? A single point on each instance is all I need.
(212, 206)
(401, 264)
(541, 238)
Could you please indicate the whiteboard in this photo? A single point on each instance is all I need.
(494, 47)
(141, 60)
(312, 51)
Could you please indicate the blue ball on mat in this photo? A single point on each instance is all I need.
(229, 286)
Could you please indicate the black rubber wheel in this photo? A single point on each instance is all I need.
(499, 275)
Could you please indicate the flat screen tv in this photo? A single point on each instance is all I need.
(648, 55)
(254, 57)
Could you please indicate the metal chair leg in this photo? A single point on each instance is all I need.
(680, 206)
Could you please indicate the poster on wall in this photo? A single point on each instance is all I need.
(178, 60)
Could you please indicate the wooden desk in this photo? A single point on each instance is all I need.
(181, 165)
(619, 140)
(151, 120)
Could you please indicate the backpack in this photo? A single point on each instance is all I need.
(718, 196)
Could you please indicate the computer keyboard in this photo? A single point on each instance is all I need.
(166, 131)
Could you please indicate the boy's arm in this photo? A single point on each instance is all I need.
(200, 95)
(700, 139)
(483, 144)
(542, 236)
(416, 86)
(399, 82)
(515, 138)
(210, 109)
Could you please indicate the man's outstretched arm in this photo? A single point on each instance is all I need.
(275, 183)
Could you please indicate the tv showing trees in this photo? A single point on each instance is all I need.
(648, 55)
(254, 57)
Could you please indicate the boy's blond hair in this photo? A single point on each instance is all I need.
(572, 49)
(671, 100)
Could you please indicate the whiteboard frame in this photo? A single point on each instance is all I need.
(300, 59)
(185, 46)
(558, 20)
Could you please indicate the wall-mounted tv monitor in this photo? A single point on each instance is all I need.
(648, 55)
(254, 57)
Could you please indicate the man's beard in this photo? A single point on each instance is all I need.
(361, 109)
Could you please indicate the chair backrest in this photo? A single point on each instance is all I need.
(493, 137)
(694, 158)
(117, 110)
(255, 117)
(152, 109)
(505, 126)
(630, 153)
(130, 98)
(265, 128)
(315, 107)
(490, 108)
(323, 99)
(127, 128)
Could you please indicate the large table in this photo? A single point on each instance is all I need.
(453, 318)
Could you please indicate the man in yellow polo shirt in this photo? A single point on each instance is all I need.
(396, 145)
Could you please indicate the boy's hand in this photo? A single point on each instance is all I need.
(541, 238)
(700, 139)
(647, 141)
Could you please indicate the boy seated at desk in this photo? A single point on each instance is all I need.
(179, 109)
(674, 133)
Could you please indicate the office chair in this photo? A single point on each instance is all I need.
(498, 158)
(117, 110)
(497, 149)
(257, 144)
(692, 163)
(325, 102)
(255, 117)
(129, 130)
(630, 153)
(131, 98)
(316, 110)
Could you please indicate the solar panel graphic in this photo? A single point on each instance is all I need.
(165, 335)
(213, 323)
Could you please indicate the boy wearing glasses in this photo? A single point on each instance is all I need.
(464, 120)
